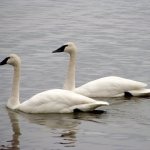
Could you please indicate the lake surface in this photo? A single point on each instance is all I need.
(113, 38)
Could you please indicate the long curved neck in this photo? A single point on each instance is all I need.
(13, 101)
(70, 79)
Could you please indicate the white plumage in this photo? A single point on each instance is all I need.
(111, 86)
(59, 101)
(51, 101)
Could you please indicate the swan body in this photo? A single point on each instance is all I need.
(58, 101)
(111, 86)
(51, 101)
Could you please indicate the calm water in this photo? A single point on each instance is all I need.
(112, 39)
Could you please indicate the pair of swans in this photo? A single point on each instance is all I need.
(111, 86)
(65, 101)
(51, 101)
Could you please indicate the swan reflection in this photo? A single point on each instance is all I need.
(14, 143)
(64, 126)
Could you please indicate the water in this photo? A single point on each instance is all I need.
(112, 39)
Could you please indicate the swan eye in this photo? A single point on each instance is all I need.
(4, 61)
(61, 49)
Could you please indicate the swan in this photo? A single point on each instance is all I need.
(50, 101)
(111, 86)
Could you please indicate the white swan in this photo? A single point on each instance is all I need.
(111, 86)
(51, 101)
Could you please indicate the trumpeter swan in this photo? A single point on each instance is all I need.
(51, 101)
(111, 86)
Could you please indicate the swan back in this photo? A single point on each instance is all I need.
(59, 101)
(111, 86)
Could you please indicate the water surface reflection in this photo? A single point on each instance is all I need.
(62, 126)
(14, 142)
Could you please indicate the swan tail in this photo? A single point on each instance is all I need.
(140, 93)
(90, 107)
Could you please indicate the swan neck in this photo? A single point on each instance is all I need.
(13, 101)
(70, 79)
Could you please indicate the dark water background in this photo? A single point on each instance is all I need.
(113, 38)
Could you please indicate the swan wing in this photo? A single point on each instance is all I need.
(59, 101)
(111, 86)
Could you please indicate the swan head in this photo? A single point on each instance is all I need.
(12, 59)
(69, 47)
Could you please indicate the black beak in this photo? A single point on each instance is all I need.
(4, 61)
(61, 49)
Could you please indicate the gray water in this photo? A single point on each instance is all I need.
(112, 39)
